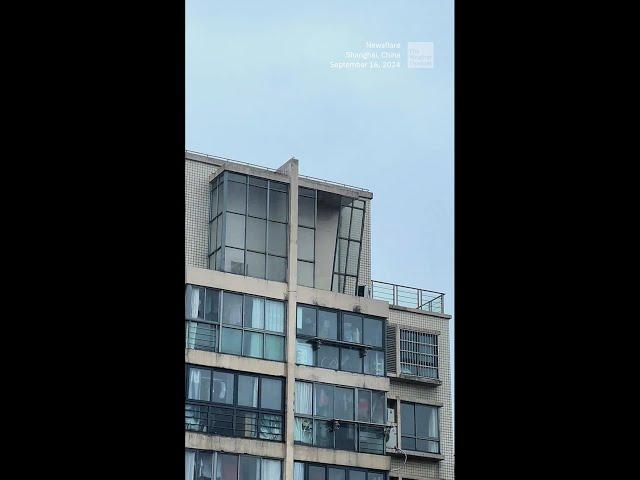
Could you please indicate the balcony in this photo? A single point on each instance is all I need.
(409, 297)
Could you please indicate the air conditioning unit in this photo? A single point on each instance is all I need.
(364, 291)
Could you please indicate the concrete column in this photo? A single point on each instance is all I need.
(291, 169)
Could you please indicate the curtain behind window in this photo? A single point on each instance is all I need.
(189, 464)
(271, 469)
(303, 398)
(274, 317)
(298, 471)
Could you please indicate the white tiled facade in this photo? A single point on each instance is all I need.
(197, 176)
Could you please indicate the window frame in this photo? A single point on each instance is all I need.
(302, 193)
(351, 204)
(415, 436)
(214, 457)
(417, 365)
(218, 324)
(364, 349)
(346, 468)
(355, 422)
(258, 411)
(219, 252)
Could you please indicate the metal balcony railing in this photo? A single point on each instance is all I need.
(409, 297)
(233, 422)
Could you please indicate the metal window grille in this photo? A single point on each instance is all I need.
(419, 353)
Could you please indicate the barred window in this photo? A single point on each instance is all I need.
(419, 353)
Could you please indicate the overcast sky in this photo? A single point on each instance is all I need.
(260, 89)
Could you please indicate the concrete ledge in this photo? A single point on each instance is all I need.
(235, 283)
(339, 457)
(429, 382)
(436, 457)
(234, 362)
(421, 312)
(324, 375)
(234, 445)
(340, 301)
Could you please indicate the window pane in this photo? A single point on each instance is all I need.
(279, 186)
(298, 471)
(256, 265)
(306, 211)
(212, 305)
(374, 363)
(236, 197)
(304, 353)
(346, 437)
(278, 206)
(231, 341)
(194, 302)
(220, 198)
(213, 235)
(351, 361)
(408, 443)
(327, 357)
(258, 202)
(213, 202)
(407, 418)
(303, 430)
(247, 391)
(252, 344)
(341, 256)
(426, 421)
(190, 465)
(271, 394)
(306, 321)
(356, 224)
(202, 336)
(323, 434)
(378, 405)
(316, 472)
(249, 468)
(237, 177)
(344, 403)
(235, 230)
(246, 424)
(352, 260)
(371, 440)
(277, 239)
(306, 246)
(303, 397)
(274, 317)
(259, 182)
(274, 347)
(204, 465)
(232, 308)
(364, 405)
(276, 268)
(253, 312)
(357, 475)
(375, 476)
(345, 222)
(324, 400)
(222, 387)
(372, 334)
(199, 384)
(335, 474)
(271, 427)
(352, 328)
(234, 261)
(305, 274)
(226, 467)
(327, 325)
(256, 234)
(271, 469)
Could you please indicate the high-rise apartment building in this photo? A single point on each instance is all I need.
(299, 366)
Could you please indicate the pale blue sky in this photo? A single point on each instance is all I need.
(259, 89)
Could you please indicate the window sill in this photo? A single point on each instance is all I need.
(413, 454)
